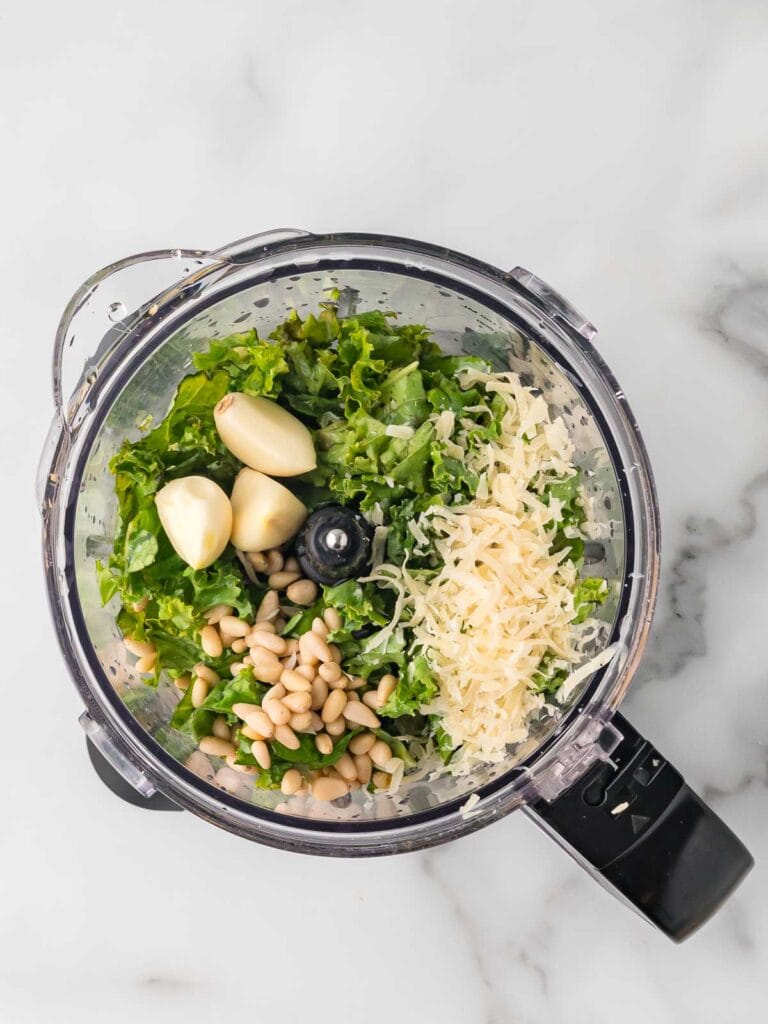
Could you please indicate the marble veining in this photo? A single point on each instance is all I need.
(618, 150)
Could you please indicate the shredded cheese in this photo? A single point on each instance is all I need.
(502, 599)
(400, 430)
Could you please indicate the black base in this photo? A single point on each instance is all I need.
(114, 781)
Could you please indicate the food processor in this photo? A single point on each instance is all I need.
(584, 774)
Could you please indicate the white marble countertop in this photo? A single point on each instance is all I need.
(619, 150)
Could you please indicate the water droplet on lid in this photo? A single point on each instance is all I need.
(116, 311)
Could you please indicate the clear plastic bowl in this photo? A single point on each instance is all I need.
(512, 318)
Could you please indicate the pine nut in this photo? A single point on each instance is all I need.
(352, 695)
(267, 641)
(146, 664)
(239, 646)
(276, 692)
(227, 639)
(198, 763)
(381, 780)
(307, 671)
(330, 672)
(372, 699)
(335, 652)
(217, 613)
(277, 711)
(275, 561)
(220, 727)
(386, 687)
(216, 747)
(281, 580)
(308, 660)
(234, 626)
(280, 624)
(284, 734)
(332, 619)
(260, 751)
(248, 660)
(360, 714)
(363, 768)
(294, 681)
(380, 753)
(260, 722)
(302, 592)
(317, 722)
(324, 743)
(298, 701)
(266, 666)
(319, 627)
(329, 789)
(345, 766)
(244, 769)
(242, 710)
(292, 781)
(258, 560)
(341, 681)
(356, 682)
(261, 627)
(206, 672)
(269, 607)
(291, 646)
(362, 744)
(253, 734)
(138, 647)
(182, 683)
(210, 641)
(311, 645)
(199, 692)
(237, 667)
(301, 721)
(333, 706)
(337, 728)
(319, 693)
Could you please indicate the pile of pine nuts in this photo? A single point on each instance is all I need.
(309, 690)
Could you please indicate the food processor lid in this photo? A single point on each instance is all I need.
(184, 282)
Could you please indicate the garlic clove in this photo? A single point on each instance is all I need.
(197, 517)
(264, 513)
(264, 435)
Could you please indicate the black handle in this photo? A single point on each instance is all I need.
(636, 825)
(115, 782)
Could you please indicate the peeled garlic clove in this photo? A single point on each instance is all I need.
(197, 517)
(264, 513)
(263, 435)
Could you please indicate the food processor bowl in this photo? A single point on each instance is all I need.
(124, 343)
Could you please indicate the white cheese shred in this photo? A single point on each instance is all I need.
(399, 430)
(502, 600)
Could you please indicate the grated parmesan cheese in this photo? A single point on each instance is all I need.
(401, 430)
(502, 599)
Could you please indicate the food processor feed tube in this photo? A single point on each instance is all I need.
(584, 774)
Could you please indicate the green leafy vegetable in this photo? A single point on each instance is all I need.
(589, 593)
(369, 389)
(415, 688)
